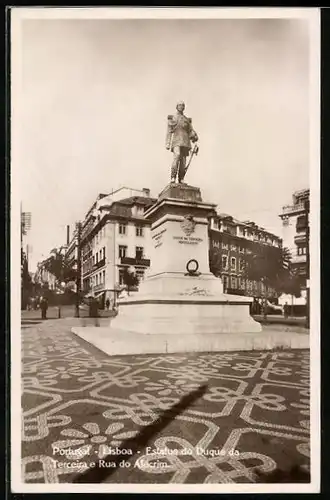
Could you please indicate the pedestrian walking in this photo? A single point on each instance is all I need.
(43, 307)
(286, 310)
(107, 304)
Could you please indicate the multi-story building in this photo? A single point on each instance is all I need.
(42, 276)
(115, 236)
(229, 242)
(295, 224)
(294, 220)
(71, 252)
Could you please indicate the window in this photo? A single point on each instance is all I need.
(233, 263)
(96, 279)
(301, 250)
(241, 265)
(139, 210)
(139, 253)
(301, 224)
(97, 258)
(225, 282)
(121, 277)
(103, 277)
(224, 261)
(139, 230)
(104, 252)
(233, 282)
(122, 251)
(140, 274)
(122, 228)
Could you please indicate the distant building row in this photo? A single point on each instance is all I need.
(115, 235)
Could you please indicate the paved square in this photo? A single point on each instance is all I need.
(79, 405)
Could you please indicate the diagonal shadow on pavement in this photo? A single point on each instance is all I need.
(99, 474)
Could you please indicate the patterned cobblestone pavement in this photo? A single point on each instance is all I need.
(80, 406)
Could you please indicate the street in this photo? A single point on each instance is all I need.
(83, 409)
(67, 311)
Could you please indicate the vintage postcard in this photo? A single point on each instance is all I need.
(165, 200)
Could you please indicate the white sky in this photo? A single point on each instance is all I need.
(96, 95)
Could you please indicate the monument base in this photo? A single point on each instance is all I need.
(180, 306)
(119, 342)
(180, 296)
(174, 304)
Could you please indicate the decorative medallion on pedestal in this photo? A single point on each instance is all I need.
(188, 225)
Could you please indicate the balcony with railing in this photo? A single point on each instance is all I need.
(296, 209)
(300, 238)
(99, 287)
(134, 261)
(299, 259)
(87, 272)
(98, 264)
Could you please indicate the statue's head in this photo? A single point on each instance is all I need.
(180, 106)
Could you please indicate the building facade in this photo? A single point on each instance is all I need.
(230, 241)
(295, 226)
(115, 236)
(43, 277)
(71, 255)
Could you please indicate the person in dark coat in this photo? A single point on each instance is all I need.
(43, 307)
(107, 304)
(94, 310)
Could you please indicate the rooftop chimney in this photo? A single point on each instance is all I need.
(67, 235)
(146, 192)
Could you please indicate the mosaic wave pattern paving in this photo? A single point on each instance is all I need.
(79, 406)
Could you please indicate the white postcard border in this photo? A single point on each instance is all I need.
(19, 14)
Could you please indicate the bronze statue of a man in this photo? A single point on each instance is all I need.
(180, 134)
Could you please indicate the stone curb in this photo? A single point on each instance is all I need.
(124, 343)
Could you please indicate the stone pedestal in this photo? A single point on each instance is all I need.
(179, 295)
